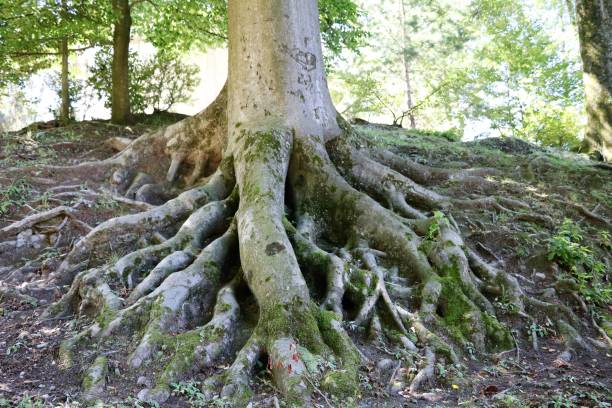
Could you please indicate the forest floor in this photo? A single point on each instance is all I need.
(568, 192)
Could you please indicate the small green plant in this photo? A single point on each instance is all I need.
(505, 305)
(15, 194)
(107, 202)
(18, 345)
(567, 249)
(605, 240)
(26, 401)
(560, 401)
(433, 231)
(190, 390)
(535, 330)
(441, 369)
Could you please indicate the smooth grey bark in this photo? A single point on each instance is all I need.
(283, 76)
(595, 32)
(64, 116)
(277, 91)
(120, 96)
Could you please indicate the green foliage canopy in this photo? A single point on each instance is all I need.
(31, 32)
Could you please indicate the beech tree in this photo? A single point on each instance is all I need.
(288, 224)
(183, 25)
(595, 32)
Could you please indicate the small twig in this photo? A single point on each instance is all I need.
(56, 318)
(395, 370)
(80, 224)
(318, 391)
(32, 220)
(518, 349)
(488, 251)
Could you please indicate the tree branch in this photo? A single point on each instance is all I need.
(35, 53)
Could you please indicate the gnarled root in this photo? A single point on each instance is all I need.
(328, 255)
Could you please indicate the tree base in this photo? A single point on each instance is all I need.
(234, 270)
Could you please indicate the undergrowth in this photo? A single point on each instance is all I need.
(568, 249)
(14, 195)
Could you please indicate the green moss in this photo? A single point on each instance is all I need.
(65, 354)
(105, 316)
(341, 383)
(294, 320)
(183, 355)
(336, 338)
(344, 382)
(498, 336)
(96, 373)
(261, 145)
(464, 320)
(607, 323)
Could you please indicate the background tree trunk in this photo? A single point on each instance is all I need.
(64, 116)
(405, 40)
(595, 31)
(120, 98)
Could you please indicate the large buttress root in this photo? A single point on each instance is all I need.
(355, 243)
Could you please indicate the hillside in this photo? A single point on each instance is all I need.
(559, 247)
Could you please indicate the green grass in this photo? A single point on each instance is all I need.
(14, 195)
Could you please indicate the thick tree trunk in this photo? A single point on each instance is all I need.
(284, 76)
(277, 96)
(64, 116)
(406, 59)
(595, 31)
(120, 97)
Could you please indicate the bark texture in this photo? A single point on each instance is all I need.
(595, 31)
(64, 116)
(120, 95)
(406, 59)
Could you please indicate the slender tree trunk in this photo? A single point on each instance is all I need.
(64, 116)
(595, 31)
(571, 11)
(120, 98)
(406, 40)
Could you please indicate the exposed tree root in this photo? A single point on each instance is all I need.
(212, 273)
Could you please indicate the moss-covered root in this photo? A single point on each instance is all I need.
(295, 370)
(379, 292)
(287, 369)
(94, 381)
(180, 300)
(426, 373)
(175, 253)
(199, 348)
(238, 376)
(427, 175)
(343, 381)
(317, 260)
(397, 190)
(90, 295)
